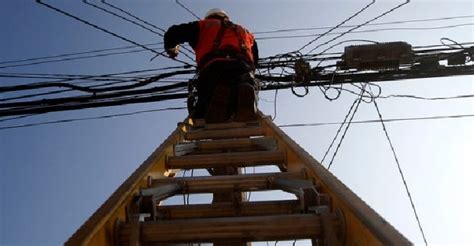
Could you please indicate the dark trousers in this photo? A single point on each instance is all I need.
(227, 73)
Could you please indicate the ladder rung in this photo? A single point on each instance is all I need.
(211, 184)
(227, 125)
(236, 144)
(253, 228)
(228, 209)
(237, 159)
(224, 133)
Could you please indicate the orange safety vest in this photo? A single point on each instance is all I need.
(223, 40)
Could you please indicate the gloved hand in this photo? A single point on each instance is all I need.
(173, 52)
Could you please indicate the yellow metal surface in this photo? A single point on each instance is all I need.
(363, 226)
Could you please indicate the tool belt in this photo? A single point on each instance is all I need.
(225, 54)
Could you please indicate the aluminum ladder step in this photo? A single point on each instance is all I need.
(227, 209)
(237, 159)
(211, 184)
(244, 132)
(236, 144)
(251, 228)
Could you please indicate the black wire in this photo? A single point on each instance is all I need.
(340, 128)
(90, 118)
(151, 44)
(281, 126)
(385, 120)
(91, 89)
(15, 118)
(368, 31)
(360, 25)
(75, 58)
(102, 29)
(370, 24)
(187, 9)
(359, 100)
(132, 15)
(401, 172)
(94, 26)
(76, 53)
(68, 90)
(428, 98)
(121, 17)
(337, 26)
(72, 58)
(130, 21)
(88, 102)
(143, 21)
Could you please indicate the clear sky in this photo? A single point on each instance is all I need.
(53, 177)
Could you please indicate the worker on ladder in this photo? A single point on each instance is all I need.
(226, 57)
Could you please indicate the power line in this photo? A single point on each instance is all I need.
(187, 9)
(358, 101)
(360, 25)
(132, 15)
(369, 24)
(369, 31)
(95, 26)
(401, 172)
(86, 77)
(337, 26)
(90, 89)
(128, 20)
(378, 120)
(428, 98)
(121, 17)
(90, 118)
(134, 22)
(37, 60)
(103, 29)
(340, 128)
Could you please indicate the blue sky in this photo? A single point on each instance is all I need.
(54, 177)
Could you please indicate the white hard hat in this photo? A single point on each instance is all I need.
(216, 12)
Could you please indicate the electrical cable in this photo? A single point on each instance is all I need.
(94, 26)
(428, 98)
(359, 100)
(121, 17)
(401, 172)
(367, 31)
(73, 58)
(132, 15)
(90, 118)
(130, 21)
(337, 26)
(360, 25)
(339, 129)
(377, 120)
(281, 126)
(189, 11)
(145, 22)
(130, 99)
(91, 89)
(75, 53)
(103, 29)
(370, 24)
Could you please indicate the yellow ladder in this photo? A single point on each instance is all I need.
(324, 210)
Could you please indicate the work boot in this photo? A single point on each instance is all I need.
(218, 109)
(246, 105)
